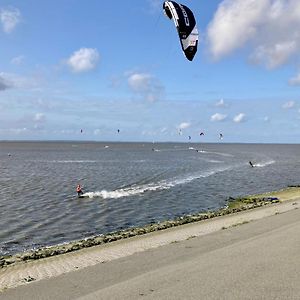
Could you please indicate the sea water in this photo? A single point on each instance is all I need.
(126, 184)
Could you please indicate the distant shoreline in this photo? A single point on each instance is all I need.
(146, 142)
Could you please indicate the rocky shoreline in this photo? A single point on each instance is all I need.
(234, 205)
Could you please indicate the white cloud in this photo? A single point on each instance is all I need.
(217, 117)
(97, 131)
(13, 80)
(270, 27)
(39, 117)
(146, 85)
(18, 130)
(18, 60)
(274, 55)
(139, 81)
(9, 19)
(234, 23)
(239, 118)
(221, 103)
(83, 60)
(288, 105)
(4, 85)
(184, 125)
(163, 130)
(295, 80)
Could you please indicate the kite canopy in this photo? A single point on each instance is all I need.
(185, 23)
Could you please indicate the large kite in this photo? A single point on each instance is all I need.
(186, 26)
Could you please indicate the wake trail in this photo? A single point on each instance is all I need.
(153, 186)
(264, 164)
(216, 153)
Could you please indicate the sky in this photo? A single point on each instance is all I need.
(81, 70)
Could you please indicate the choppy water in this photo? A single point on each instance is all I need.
(128, 184)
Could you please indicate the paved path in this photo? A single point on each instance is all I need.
(255, 260)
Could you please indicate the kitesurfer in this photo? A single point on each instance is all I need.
(79, 190)
(251, 164)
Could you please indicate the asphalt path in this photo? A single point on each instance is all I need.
(255, 260)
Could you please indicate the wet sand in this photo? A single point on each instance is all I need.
(247, 255)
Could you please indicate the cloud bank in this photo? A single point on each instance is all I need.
(12, 80)
(145, 85)
(295, 80)
(9, 18)
(270, 27)
(4, 85)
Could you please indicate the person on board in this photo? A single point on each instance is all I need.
(251, 164)
(79, 190)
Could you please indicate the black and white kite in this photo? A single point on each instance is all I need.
(186, 26)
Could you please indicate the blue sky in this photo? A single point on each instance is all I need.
(100, 66)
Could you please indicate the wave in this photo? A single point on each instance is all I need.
(215, 161)
(217, 153)
(69, 161)
(154, 186)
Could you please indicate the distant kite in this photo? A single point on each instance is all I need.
(221, 136)
(201, 133)
(118, 130)
(190, 137)
(185, 23)
(81, 130)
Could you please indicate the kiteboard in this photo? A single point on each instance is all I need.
(83, 196)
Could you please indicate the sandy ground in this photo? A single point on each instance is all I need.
(249, 255)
